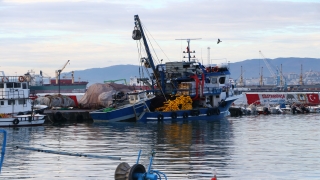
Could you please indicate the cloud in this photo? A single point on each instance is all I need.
(44, 34)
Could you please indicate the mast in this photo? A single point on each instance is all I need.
(137, 34)
(208, 56)
(281, 77)
(261, 77)
(301, 77)
(241, 78)
(188, 47)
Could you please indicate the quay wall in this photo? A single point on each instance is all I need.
(67, 116)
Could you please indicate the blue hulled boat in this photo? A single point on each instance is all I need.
(128, 110)
(184, 90)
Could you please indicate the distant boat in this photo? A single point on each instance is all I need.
(41, 84)
(124, 110)
(15, 105)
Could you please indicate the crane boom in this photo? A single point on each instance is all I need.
(268, 66)
(60, 70)
(64, 66)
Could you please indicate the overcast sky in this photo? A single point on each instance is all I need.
(44, 34)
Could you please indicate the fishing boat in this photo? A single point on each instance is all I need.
(185, 90)
(16, 108)
(128, 108)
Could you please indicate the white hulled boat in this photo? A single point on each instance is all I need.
(15, 104)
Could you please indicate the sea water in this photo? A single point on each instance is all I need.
(248, 147)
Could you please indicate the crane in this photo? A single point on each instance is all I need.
(60, 70)
(276, 77)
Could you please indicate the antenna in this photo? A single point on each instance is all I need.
(208, 56)
(188, 47)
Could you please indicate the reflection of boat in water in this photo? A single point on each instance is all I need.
(186, 90)
(15, 105)
(120, 110)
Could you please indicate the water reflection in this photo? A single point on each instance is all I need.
(263, 146)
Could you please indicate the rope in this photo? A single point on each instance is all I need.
(67, 153)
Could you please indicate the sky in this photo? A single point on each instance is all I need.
(45, 34)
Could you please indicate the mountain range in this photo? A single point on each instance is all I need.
(251, 68)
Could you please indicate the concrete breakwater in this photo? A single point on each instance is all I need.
(67, 116)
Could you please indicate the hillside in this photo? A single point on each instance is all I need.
(250, 68)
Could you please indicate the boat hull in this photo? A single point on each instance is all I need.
(72, 88)
(194, 114)
(127, 112)
(22, 120)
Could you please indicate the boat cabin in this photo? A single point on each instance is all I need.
(137, 96)
(14, 94)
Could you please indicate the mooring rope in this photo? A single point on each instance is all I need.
(67, 153)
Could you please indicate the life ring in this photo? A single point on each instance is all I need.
(208, 69)
(58, 115)
(185, 115)
(174, 115)
(80, 118)
(209, 112)
(160, 117)
(195, 112)
(21, 79)
(5, 79)
(15, 121)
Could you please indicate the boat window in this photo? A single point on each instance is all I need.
(22, 101)
(141, 96)
(214, 80)
(17, 85)
(131, 98)
(11, 102)
(9, 85)
(1, 85)
(222, 80)
(24, 85)
(2, 103)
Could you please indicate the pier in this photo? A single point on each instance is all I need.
(67, 116)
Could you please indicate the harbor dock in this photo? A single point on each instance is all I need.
(67, 116)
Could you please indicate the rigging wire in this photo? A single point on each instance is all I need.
(156, 43)
(157, 80)
(141, 74)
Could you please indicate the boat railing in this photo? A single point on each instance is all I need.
(12, 94)
(17, 79)
(206, 91)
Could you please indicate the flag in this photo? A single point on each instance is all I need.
(313, 98)
(253, 98)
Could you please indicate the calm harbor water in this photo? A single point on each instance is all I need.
(248, 147)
